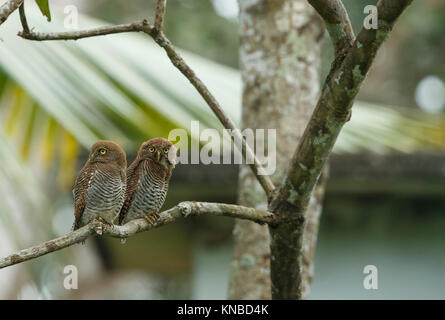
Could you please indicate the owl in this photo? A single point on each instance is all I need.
(99, 189)
(147, 180)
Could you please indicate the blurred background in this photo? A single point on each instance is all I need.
(385, 199)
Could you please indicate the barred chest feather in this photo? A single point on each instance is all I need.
(105, 196)
(150, 193)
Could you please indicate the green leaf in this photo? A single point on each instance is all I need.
(44, 8)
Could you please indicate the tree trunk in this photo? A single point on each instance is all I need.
(279, 60)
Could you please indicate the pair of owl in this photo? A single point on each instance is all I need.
(106, 189)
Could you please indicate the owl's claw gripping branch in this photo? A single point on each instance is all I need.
(152, 218)
(138, 225)
(155, 31)
(99, 230)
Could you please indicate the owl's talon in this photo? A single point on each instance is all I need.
(103, 221)
(99, 230)
(152, 218)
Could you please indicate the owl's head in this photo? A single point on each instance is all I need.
(159, 150)
(108, 151)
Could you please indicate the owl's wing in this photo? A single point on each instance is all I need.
(133, 173)
(83, 181)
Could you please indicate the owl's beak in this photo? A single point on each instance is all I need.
(158, 155)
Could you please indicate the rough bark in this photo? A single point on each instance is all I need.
(333, 110)
(279, 60)
(310, 234)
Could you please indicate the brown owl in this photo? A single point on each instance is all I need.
(100, 186)
(147, 180)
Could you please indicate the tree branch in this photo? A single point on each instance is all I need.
(337, 23)
(7, 8)
(182, 210)
(182, 66)
(75, 35)
(23, 18)
(160, 14)
(332, 111)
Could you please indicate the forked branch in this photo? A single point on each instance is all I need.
(333, 109)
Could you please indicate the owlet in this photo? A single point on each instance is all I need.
(147, 180)
(99, 189)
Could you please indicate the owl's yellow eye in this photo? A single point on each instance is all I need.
(166, 150)
(151, 149)
(102, 151)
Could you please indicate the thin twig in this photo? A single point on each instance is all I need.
(182, 210)
(160, 14)
(75, 35)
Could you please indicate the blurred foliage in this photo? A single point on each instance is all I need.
(414, 50)
(190, 24)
